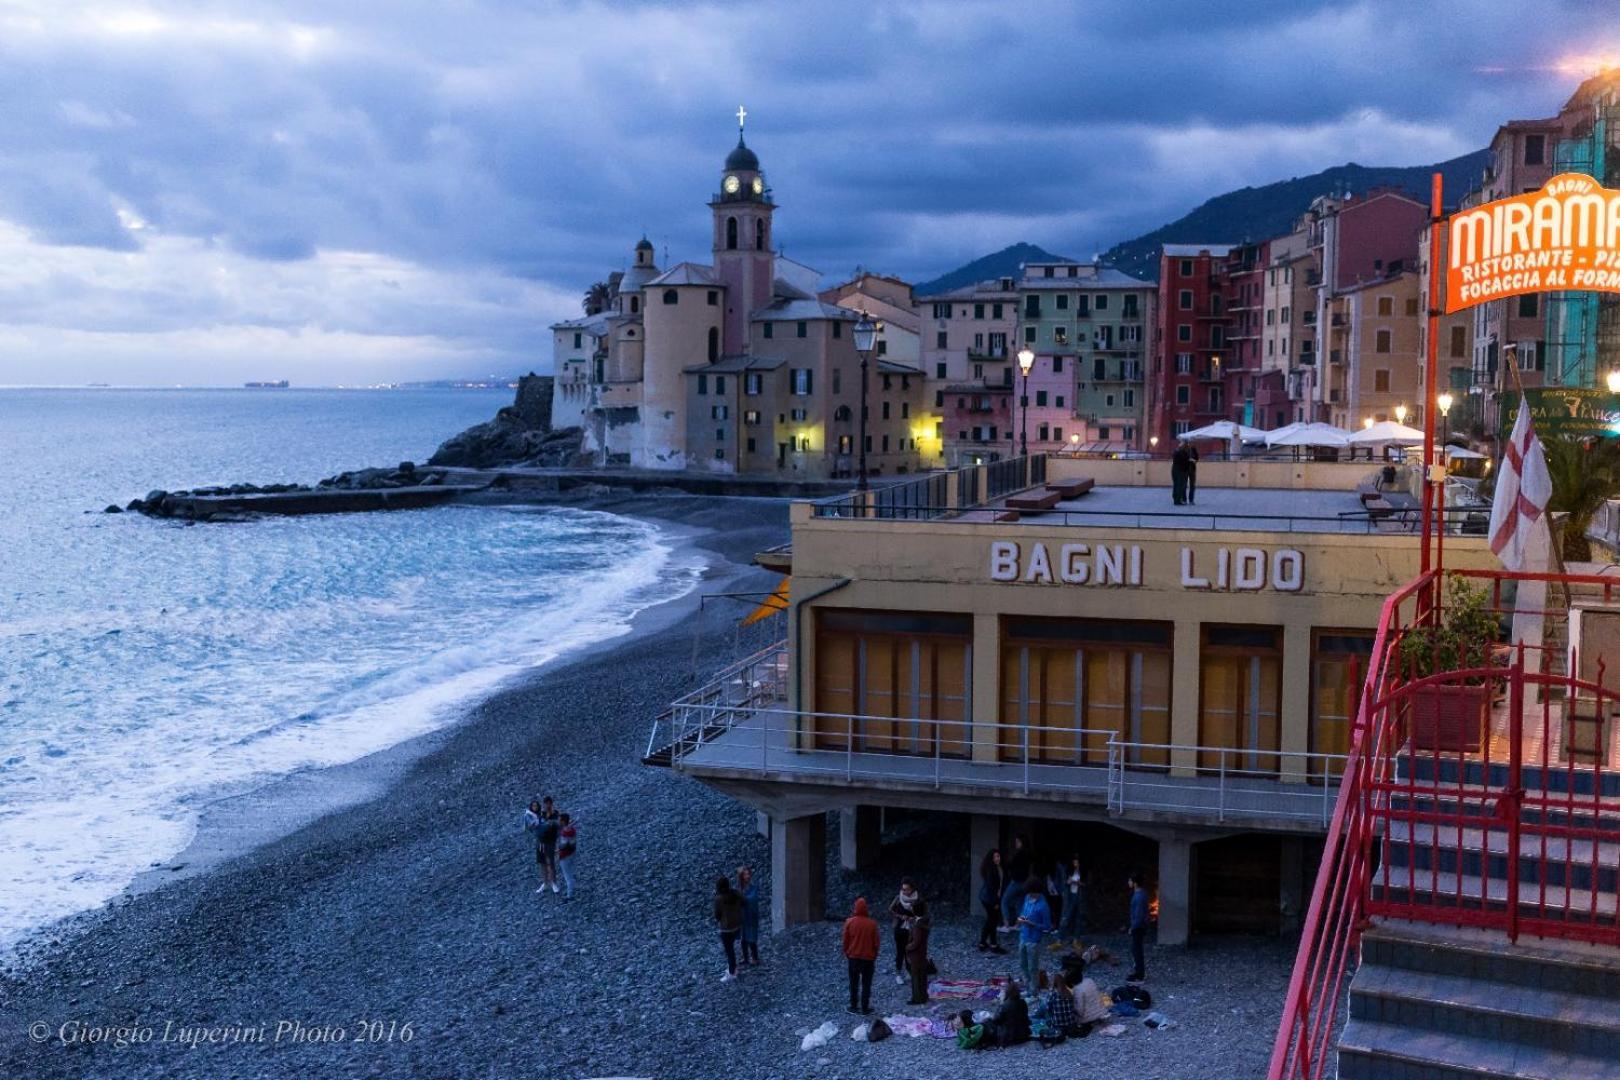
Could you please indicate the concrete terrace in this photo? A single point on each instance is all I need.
(1217, 508)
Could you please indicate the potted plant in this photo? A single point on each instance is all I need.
(1451, 716)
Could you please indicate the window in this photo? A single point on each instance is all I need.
(802, 329)
(1099, 369)
(1386, 305)
(978, 311)
(1240, 697)
(1184, 332)
(940, 340)
(1057, 434)
(1063, 301)
(719, 451)
(719, 384)
(846, 444)
(1186, 267)
(1102, 432)
(843, 414)
(703, 384)
(1029, 335)
(753, 383)
(1528, 305)
(1184, 300)
(882, 345)
(942, 311)
(1334, 655)
(579, 341)
(714, 297)
(1180, 427)
(1535, 149)
(1411, 306)
(1214, 399)
(1381, 341)
(1286, 312)
(671, 296)
(905, 410)
(751, 417)
(1032, 306)
(1215, 304)
(1108, 401)
(635, 306)
(731, 234)
(719, 412)
(1459, 341)
(714, 344)
(1040, 397)
(799, 415)
(750, 444)
(770, 331)
(1184, 361)
(885, 444)
(838, 332)
(1060, 335)
(1057, 365)
(939, 370)
(1047, 271)
(1130, 399)
(939, 399)
(1381, 381)
(1043, 433)
(1217, 337)
(759, 234)
(1101, 303)
(1183, 395)
(1058, 401)
(995, 311)
(801, 383)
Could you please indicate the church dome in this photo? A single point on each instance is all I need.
(742, 158)
(644, 244)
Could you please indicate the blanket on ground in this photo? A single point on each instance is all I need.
(967, 989)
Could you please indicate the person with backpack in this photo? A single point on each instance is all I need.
(992, 883)
(750, 918)
(728, 916)
(567, 845)
(1034, 923)
(1138, 927)
(1071, 923)
(900, 909)
(917, 951)
(861, 950)
(1012, 894)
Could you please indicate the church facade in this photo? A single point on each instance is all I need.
(735, 365)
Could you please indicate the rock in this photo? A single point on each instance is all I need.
(113, 508)
(155, 497)
(407, 467)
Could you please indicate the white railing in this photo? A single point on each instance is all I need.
(748, 684)
(759, 734)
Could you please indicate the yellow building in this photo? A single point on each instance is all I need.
(1179, 672)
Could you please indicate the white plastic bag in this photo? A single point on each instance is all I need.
(859, 1034)
(818, 1038)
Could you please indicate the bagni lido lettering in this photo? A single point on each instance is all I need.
(1233, 570)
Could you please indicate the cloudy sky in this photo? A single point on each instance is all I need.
(375, 190)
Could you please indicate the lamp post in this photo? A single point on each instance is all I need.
(1153, 444)
(1400, 414)
(865, 340)
(1444, 403)
(1074, 442)
(1026, 360)
(1613, 379)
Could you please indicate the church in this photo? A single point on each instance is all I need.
(735, 365)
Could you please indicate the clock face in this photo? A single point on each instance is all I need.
(759, 186)
(732, 185)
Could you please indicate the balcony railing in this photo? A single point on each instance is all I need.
(1498, 810)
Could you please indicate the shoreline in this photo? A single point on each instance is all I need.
(235, 825)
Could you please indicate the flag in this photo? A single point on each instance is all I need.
(1519, 508)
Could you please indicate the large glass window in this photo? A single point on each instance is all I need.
(1334, 653)
(896, 681)
(1067, 685)
(1240, 699)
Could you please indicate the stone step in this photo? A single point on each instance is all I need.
(1549, 1018)
(1484, 955)
(1476, 773)
(1473, 801)
(1373, 1051)
(1562, 862)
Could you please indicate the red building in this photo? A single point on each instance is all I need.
(1186, 386)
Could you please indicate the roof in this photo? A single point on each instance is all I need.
(895, 367)
(793, 310)
(1106, 277)
(982, 290)
(594, 324)
(635, 279)
(741, 157)
(1184, 250)
(644, 244)
(732, 364)
(687, 273)
(889, 314)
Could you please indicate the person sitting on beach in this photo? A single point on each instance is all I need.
(1088, 1000)
(728, 915)
(1010, 1025)
(567, 845)
(1058, 1009)
(750, 915)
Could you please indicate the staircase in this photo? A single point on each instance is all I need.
(1445, 1003)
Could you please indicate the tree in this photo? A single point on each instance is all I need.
(598, 298)
(1585, 473)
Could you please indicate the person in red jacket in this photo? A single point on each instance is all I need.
(861, 949)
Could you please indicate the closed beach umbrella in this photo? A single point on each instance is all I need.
(1387, 432)
(1320, 435)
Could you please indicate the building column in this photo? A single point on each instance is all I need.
(1291, 893)
(1296, 704)
(1175, 889)
(1187, 669)
(798, 870)
(984, 833)
(762, 824)
(860, 836)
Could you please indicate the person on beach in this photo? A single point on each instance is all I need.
(900, 909)
(1071, 920)
(547, 853)
(1053, 879)
(567, 845)
(861, 950)
(1010, 1025)
(1179, 462)
(992, 883)
(1138, 927)
(1088, 1000)
(728, 916)
(1034, 923)
(917, 950)
(1192, 474)
(1012, 895)
(531, 825)
(1057, 1007)
(750, 918)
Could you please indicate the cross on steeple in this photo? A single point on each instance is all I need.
(742, 115)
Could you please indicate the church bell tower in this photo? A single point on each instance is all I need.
(742, 240)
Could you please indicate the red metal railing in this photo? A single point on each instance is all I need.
(1500, 809)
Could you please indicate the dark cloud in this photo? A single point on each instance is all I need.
(503, 139)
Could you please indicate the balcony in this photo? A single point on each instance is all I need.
(988, 352)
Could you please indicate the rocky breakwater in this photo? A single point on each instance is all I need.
(403, 487)
(520, 434)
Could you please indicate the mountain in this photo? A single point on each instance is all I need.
(1256, 213)
(1004, 263)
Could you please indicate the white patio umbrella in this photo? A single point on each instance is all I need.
(1267, 436)
(1387, 432)
(1321, 435)
(1225, 431)
(1453, 451)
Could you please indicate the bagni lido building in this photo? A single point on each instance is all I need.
(1044, 641)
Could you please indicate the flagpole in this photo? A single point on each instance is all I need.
(1431, 364)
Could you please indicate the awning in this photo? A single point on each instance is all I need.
(774, 604)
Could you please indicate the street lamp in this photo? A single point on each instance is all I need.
(1026, 360)
(865, 340)
(1444, 403)
(1400, 414)
(1153, 443)
(1074, 442)
(1614, 380)
(1367, 423)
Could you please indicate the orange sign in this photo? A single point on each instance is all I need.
(1565, 236)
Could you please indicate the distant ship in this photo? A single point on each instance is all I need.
(279, 384)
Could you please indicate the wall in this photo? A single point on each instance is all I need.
(1299, 475)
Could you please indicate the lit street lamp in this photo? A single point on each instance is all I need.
(1400, 414)
(1026, 360)
(1613, 380)
(866, 332)
(1444, 403)
(1153, 443)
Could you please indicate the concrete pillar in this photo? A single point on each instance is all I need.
(860, 836)
(762, 823)
(984, 833)
(1291, 893)
(798, 870)
(1175, 889)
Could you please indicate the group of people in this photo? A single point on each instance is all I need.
(556, 840)
(912, 924)
(1006, 885)
(1184, 474)
(1070, 1008)
(736, 913)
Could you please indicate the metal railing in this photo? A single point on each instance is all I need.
(1301, 787)
(737, 689)
(929, 496)
(1482, 796)
(1460, 521)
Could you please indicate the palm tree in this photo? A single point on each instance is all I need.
(598, 298)
(1585, 473)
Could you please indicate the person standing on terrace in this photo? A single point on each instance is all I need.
(1180, 463)
(1192, 474)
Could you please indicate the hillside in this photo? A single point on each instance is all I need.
(1003, 263)
(1255, 213)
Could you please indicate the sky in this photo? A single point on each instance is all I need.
(381, 190)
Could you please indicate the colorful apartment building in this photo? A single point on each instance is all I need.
(967, 344)
(1186, 385)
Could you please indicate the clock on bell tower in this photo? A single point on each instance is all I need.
(742, 240)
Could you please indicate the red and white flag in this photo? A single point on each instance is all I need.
(1519, 508)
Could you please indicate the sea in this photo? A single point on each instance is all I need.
(149, 668)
